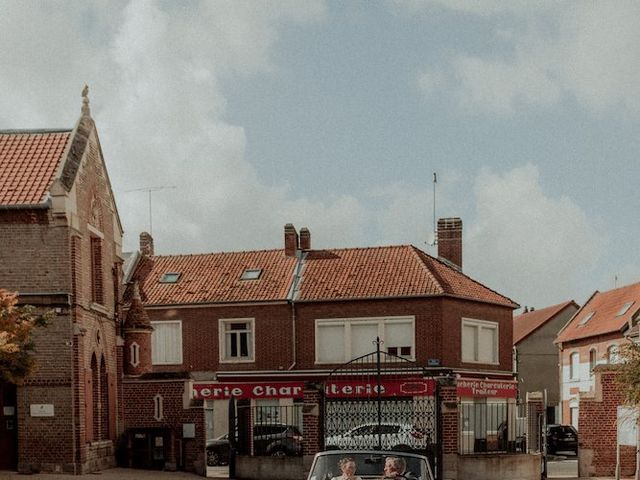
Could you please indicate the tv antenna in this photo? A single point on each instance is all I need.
(149, 190)
(435, 231)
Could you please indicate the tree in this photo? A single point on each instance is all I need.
(16, 338)
(629, 384)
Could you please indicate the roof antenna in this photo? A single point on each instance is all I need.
(434, 240)
(149, 190)
(615, 281)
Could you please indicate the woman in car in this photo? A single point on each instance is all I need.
(348, 468)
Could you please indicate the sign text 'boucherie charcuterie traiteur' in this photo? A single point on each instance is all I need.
(471, 387)
(221, 391)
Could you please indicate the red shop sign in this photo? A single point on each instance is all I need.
(468, 387)
(410, 387)
(221, 391)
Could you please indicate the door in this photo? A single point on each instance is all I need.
(8, 427)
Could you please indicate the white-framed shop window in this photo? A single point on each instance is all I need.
(166, 342)
(343, 339)
(236, 339)
(480, 341)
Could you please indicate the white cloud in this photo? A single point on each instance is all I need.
(527, 244)
(583, 51)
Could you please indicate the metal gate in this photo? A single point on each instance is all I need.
(383, 401)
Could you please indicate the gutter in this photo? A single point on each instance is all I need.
(293, 291)
(28, 206)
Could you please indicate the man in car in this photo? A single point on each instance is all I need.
(394, 468)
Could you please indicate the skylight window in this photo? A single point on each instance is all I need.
(625, 308)
(170, 277)
(587, 318)
(251, 274)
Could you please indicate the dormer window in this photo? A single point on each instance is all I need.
(586, 319)
(170, 277)
(251, 274)
(625, 308)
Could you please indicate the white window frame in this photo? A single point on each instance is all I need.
(135, 354)
(222, 340)
(179, 361)
(347, 322)
(158, 407)
(614, 349)
(480, 324)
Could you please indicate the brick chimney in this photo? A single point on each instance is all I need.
(305, 239)
(450, 240)
(290, 240)
(146, 244)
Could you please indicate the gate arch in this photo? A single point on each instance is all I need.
(383, 401)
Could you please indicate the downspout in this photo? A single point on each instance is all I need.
(293, 292)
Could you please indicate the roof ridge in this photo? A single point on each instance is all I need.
(460, 272)
(235, 252)
(34, 131)
(551, 308)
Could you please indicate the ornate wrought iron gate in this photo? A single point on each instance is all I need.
(385, 402)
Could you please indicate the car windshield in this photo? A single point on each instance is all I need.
(368, 465)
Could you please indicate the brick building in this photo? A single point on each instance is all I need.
(240, 319)
(60, 248)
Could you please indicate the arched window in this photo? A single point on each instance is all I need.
(574, 361)
(95, 396)
(104, 400)
(613, 354)
(592, 360)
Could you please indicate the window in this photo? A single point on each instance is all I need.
(341, 340)
(134, 354)
(613, 354)
(158, 407)
(593, 357)
(251, 274)
(97, 292)
(625, 308)
(236, 340)
(170, 277)
(586, 319)
(166, 343)
(574, 361)
(479, 341)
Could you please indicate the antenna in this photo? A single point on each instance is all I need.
(435, 231)
(149, 190)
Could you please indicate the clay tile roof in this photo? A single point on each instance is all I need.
(136, 315)
(605, 307)
(526, 323)
(215, 277)
(28, 163)
(351, 273)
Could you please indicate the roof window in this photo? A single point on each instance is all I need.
(251, 274)
(170, 277)
(625, 308)
(587, 318)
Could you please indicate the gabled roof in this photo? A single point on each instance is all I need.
(29, 160)
(600, 315)
(527, 323)
(335, 274)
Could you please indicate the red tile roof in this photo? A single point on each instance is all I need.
(28, 163)
(354, 273)
(215, 277)
(605, 307)
(525, 324)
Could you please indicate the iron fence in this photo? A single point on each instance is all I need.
(490, 427)
(269, 430)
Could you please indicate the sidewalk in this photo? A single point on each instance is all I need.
(110, 474)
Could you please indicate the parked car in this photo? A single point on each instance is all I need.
(562, 438)
(395, 436)
(275, 439)
(369, 464)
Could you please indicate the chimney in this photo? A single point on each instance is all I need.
(290, 240)
(305, 239)
(146, 244)
(450, 240)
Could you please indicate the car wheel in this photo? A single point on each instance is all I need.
(213, 458)
(278, 452)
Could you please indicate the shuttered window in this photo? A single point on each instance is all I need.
(479, 341)
(166, 343)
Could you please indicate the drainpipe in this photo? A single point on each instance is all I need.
(297, 276)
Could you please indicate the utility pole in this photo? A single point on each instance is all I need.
(149, 190)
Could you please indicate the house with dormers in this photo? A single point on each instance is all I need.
(256, 320)
(536, 355)
(60, 249)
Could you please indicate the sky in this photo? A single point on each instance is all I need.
(243, 116)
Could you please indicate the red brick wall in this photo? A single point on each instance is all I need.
(597, 420)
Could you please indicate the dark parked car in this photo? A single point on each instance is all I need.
(369, 464)
(562, 438)
(275, 439)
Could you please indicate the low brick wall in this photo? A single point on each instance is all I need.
(270, 468)
(513, 467)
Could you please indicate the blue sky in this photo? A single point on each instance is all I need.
(334, 115)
